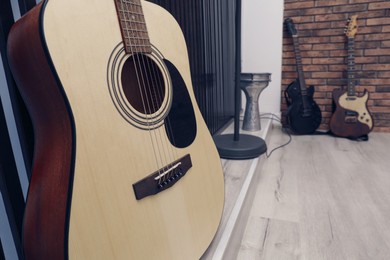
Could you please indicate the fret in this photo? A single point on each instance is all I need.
(138, 11)
(136, 35)
(131, 17)
(138, 30)
(130, 12)
(137, 38)
(133, 26)
(132, 22)
(132, 2)
(138, 45)
(137, 41)
(131, 37)
(132, 9)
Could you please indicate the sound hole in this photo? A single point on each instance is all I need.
(143, 83)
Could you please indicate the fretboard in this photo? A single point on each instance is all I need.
(298, 59)
(133, 27)
(351, 67)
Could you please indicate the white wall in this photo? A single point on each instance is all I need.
(262, 33)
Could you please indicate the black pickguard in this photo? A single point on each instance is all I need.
(302, 121)
(180, 124)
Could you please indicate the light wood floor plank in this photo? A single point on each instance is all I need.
(236, 174)
(330, 194)
(270, 239)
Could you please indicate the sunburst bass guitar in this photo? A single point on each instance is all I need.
(351, 117)
(124, 166)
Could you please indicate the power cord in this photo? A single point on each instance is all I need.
(284, 129)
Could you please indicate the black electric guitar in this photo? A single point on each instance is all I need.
(351, 117)
(303, 114)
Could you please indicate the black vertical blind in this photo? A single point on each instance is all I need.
(208, 27)
(10, 186)
(22, 118)
(2, 256)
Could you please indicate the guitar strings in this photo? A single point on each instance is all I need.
(172, 153)
(141, 86)
(138, 75)
(148, 88)
(154, 91)
(157, 80)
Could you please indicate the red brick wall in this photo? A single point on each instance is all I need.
(320, 26)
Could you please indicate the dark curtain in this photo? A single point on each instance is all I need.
(209, 30)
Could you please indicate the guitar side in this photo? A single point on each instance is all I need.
(99, 216)
(46, 211)
(351, 117)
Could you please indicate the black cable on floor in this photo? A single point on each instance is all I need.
(276, 118)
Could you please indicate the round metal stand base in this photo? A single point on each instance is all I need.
(247, 147)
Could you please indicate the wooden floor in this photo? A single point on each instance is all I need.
(320, 197)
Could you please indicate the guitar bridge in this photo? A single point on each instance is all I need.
(351, 117)
(163, 178)
(307, 113)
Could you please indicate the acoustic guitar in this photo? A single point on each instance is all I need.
(303, 113)
(124, 166)
(351, 117)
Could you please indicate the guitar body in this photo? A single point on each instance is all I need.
(301, 121)
(351, 117)
(93, 143)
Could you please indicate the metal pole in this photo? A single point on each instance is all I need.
(237, 100)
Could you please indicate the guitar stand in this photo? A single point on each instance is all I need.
(239, 146)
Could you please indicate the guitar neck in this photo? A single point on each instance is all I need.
(351, 67)
(133, 26)
(298, 59)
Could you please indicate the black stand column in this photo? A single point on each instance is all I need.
(239, 146)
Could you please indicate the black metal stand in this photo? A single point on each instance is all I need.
(239, 146)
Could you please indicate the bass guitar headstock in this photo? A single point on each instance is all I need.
(290, 27)
(351, 27)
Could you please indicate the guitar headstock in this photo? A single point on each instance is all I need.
(351, 27)
(290, 26)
